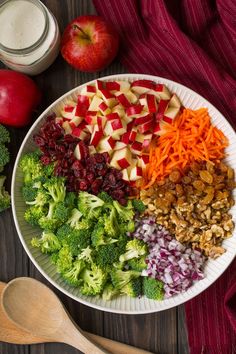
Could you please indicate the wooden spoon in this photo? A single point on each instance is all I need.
(11, 333)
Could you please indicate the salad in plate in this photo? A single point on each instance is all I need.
(130, 190)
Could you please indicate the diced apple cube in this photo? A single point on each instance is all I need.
(119, 145)
(151, 103)
(133, 134)
(143, 100)
(59, 120)
(134, 110)
(120, 110)
(174, 101)
(79, 152)
(101, 121)
(67, 128)
(89, 128)
(147, 140)
(108, 98)
(92, 150)
(91, 117)
(140, 137)
(104, 108)
(113, 116)
(125, 175)
(74, 122)
(88, 90)
(106, 144)
(115, 128)
(84, 100)
(122, 86)
(94, 105)
(170, 114)
(135, 173)
(145, 127)
(136, 148)
(121, 158)
(161, 92)
(160, 128)
(143, 161)
(121, 97)
(79, 133)
(70, 113)
(163, 104)
(142, 86)
(96, 136)
(100, 85)
(125, 137)
(131, 97)
(143, 118)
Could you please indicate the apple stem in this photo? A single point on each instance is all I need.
(76, 27)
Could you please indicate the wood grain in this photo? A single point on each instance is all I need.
(162, 333)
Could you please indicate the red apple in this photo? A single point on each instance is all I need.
(19, 96)
(89, 43)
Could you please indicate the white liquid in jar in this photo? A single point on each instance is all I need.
(22, 24)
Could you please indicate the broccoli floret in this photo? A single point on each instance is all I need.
(138, 264)
(56, 188)
(70, 200)
(99, 237)
(78, 240)
(134, 249)
(125, 213)
(153, 288)
(105, 197)
(41, 197)
(31, 166)
(111, 225)
(72, 275)
(107, 255)
(29, 192)
(34, 213)
(120, 277)
(4, 135)
(4, 156)
(5, 199)
(109, 292)
(89, 205)
(133, 288)
(86, 255)
(74, 220)
(63, 232)
(138, 205)
(61, 212)
(64, 260)
(130, 226)
(48, 170)
(94, 280)
(48, 242)
(49, 221)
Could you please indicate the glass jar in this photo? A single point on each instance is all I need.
(29, 36)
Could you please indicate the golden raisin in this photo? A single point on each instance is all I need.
(175, 176)
(206, 176)
(199, 185)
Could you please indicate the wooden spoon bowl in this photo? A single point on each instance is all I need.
(14, 332)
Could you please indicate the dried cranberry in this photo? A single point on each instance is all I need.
(77, 165)
(95, 187)
(45, 160)
(90, 177)
(99, 158)
(83, 185)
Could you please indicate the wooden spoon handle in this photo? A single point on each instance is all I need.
(113, 346)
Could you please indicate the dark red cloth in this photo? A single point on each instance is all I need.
(192, 42)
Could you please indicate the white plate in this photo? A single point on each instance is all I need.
(122, 304)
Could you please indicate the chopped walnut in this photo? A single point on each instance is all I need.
(195, 208)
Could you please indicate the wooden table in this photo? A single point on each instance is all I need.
(164, 332)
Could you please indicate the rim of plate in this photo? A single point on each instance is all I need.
(172, 304)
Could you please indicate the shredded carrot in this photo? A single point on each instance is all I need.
(191, 137)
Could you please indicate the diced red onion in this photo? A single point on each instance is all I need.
(170, 261)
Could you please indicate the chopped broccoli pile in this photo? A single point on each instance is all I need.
(85, 235)
(5, 199)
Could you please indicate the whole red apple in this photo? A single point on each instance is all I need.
(19, 96)
(89, 43)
